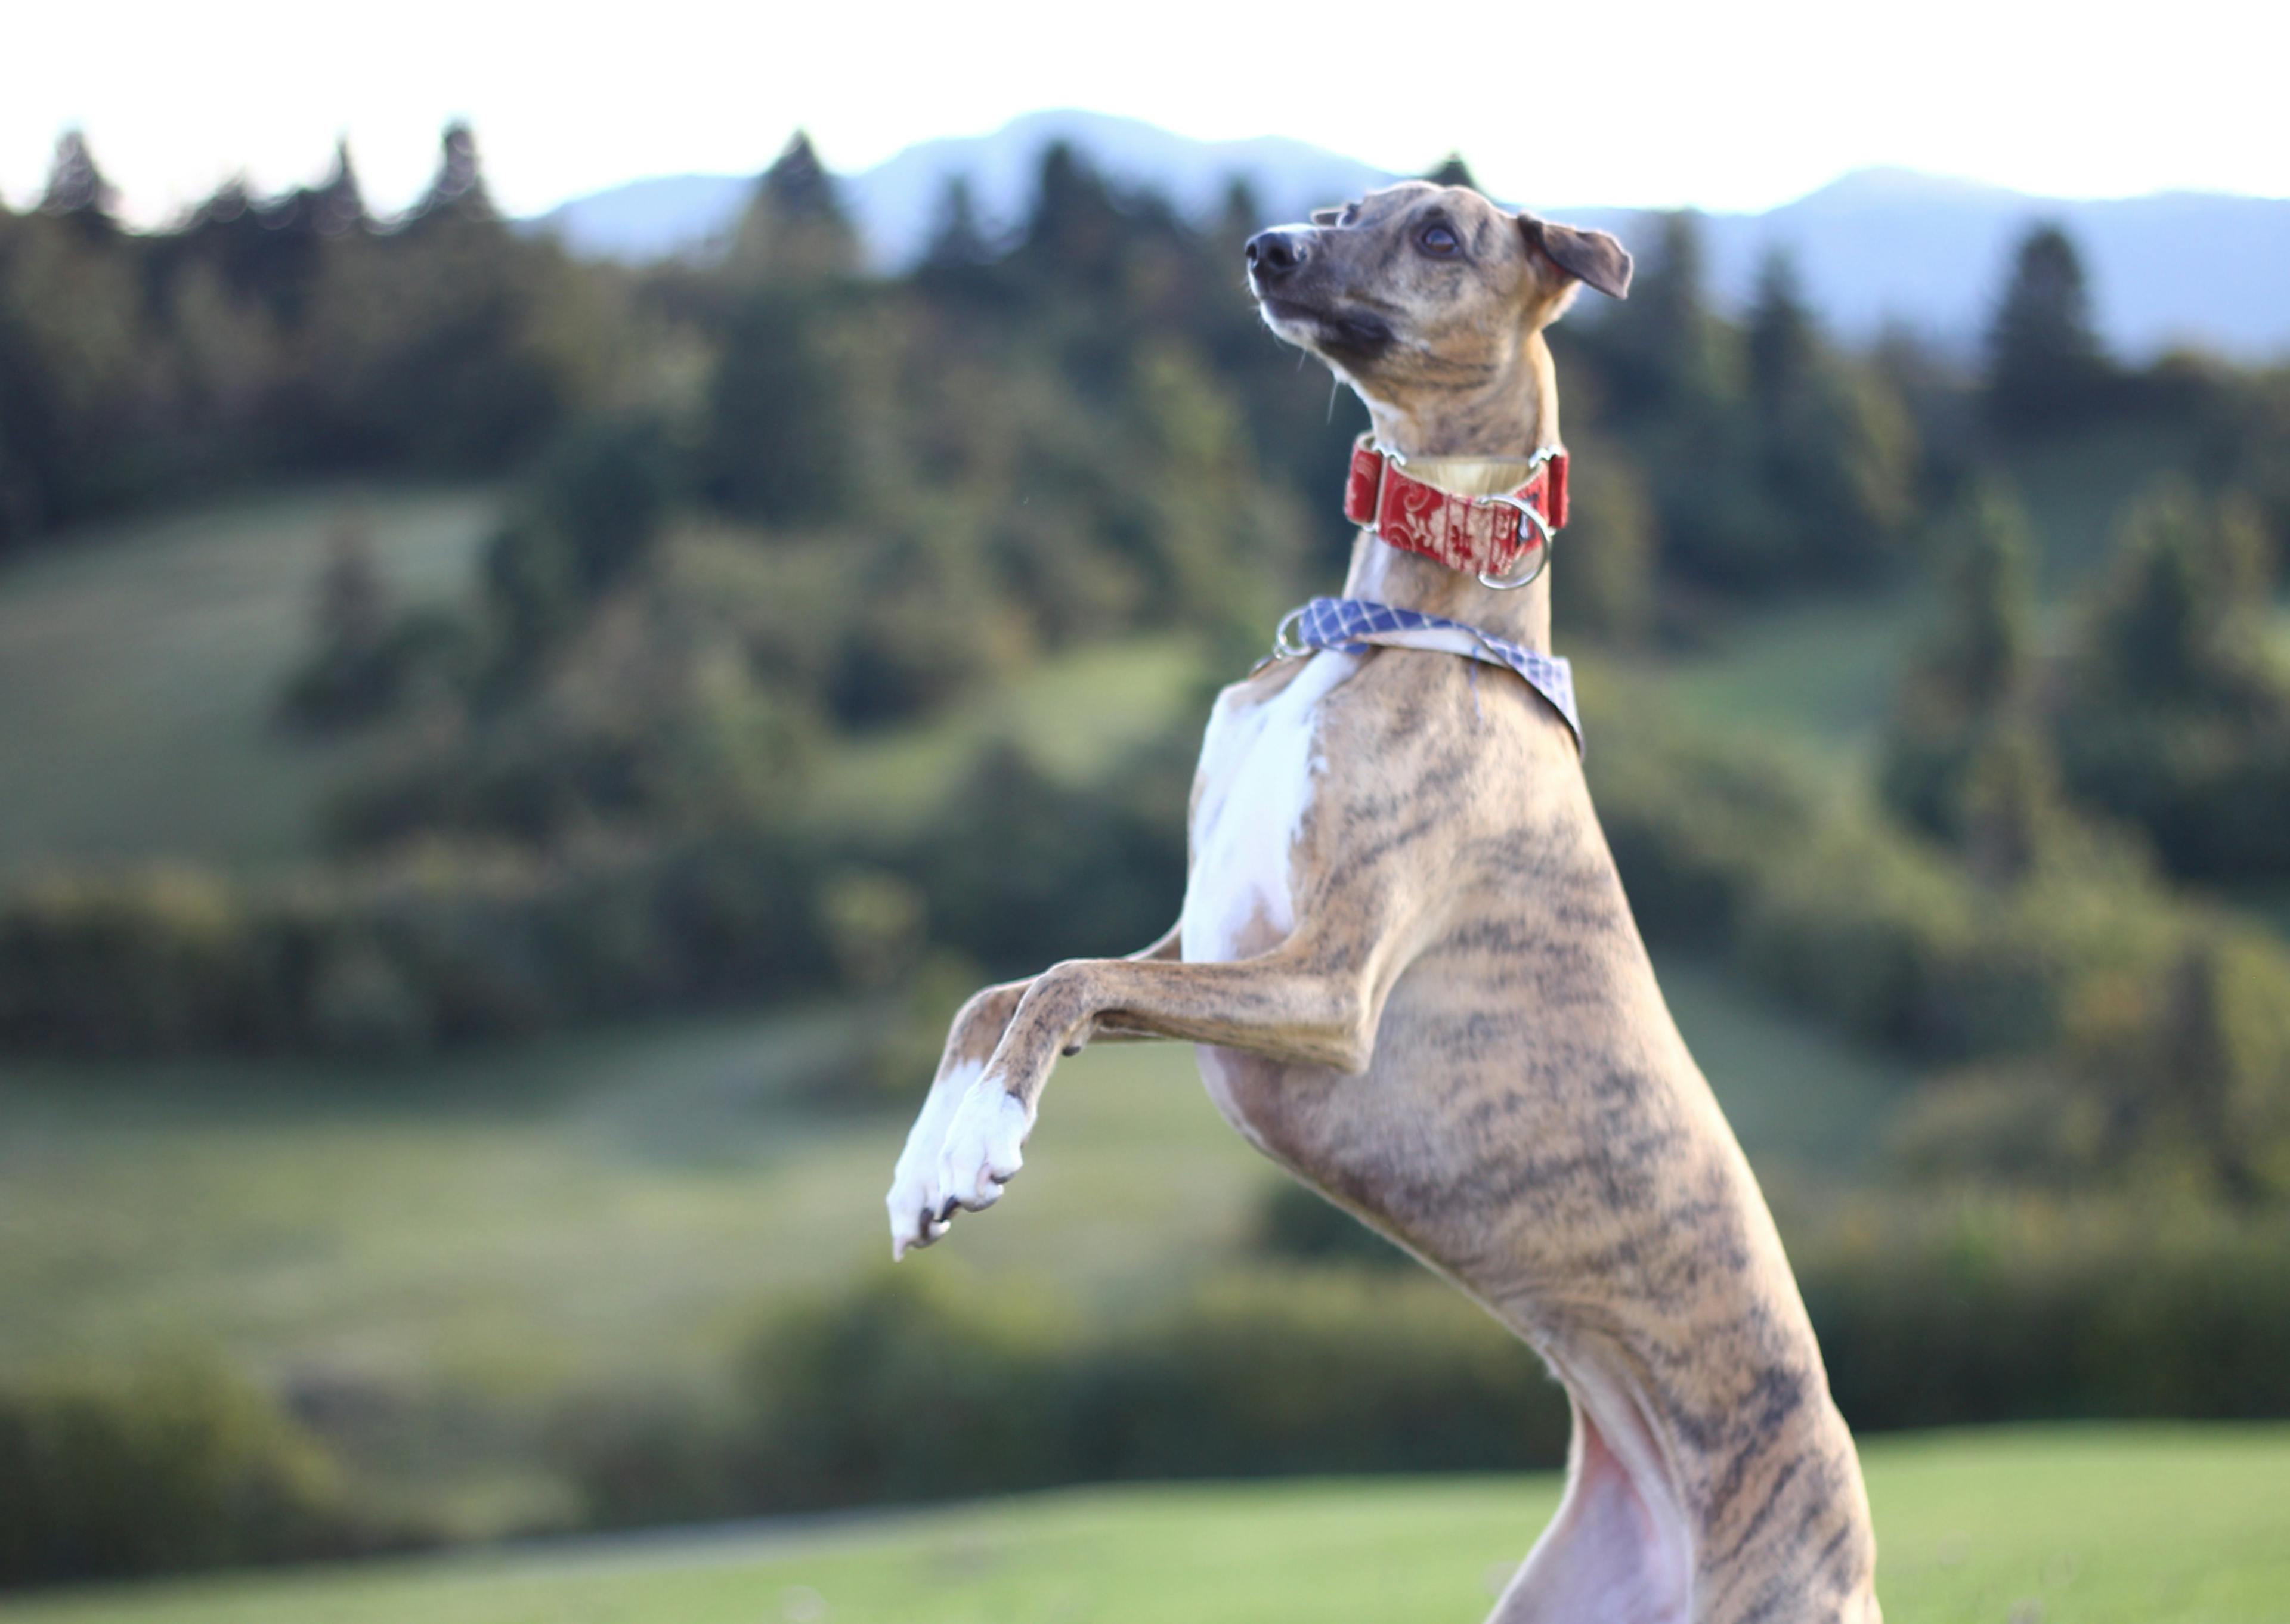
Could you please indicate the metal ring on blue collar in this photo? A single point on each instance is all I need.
(1283, 648)
(1543, 536)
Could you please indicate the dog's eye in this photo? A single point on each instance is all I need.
(1438, 240)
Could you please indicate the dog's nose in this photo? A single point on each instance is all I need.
(1273, 254)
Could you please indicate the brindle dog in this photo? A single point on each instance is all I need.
(1417, 985)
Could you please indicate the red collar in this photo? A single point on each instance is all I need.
(1488, 536)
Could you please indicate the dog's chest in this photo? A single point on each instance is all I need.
(1259, 765)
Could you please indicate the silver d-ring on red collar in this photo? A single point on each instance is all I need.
(1543, 536)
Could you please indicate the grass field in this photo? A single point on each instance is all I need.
(1075, 715)
(485, 1234)
(594, 1205)
(2094, 1525)
(142, 662)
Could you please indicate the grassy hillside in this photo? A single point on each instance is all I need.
(2100, 1525)
(601, 1204)
(142, 660)
(433, 1256)
(1075, 714)
(1823, 669)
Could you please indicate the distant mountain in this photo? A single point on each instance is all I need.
(649, 220)
(1884, 245)
(895, 204)
(1878, 247)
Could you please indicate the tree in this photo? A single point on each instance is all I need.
(2206, 1072)
(1453, 171)
(33, 436)
(336, 205)
(1075, 237)
(347, 679)
(2045, 369)
(794, 232)
(1663, 343)
(777, 444)
(2180, 620)
(2175, 715)
(1784, 345)
(1969, 671)
(1837, 451)
(2010, 812)
(457, 191)
(76, 189)
(957, 241)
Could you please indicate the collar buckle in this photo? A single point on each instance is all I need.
(1528, 515)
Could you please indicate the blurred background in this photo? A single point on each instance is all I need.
(532, 685)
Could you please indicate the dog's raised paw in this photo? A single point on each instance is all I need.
(981, 1151)
(914, 1204)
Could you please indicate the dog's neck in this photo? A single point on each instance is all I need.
(1477, 442)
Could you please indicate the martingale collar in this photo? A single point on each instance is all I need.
(1350, 625)
(1487, 536)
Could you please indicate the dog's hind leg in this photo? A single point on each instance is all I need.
(1615, 1552)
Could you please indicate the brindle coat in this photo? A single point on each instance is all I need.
(1439, 1010)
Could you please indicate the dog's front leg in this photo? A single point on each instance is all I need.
(914, 1203)
(1308, 1002)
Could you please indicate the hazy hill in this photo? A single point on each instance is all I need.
(1884, 245)
(1876, 246)
(895, 202)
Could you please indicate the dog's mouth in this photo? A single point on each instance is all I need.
(1353, 334)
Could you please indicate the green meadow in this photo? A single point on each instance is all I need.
(2100, 1525)
(142, 660)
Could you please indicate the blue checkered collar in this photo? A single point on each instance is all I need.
(1350, 624)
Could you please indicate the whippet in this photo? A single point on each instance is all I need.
(1415, 982)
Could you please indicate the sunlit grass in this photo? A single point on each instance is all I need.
(2121, 1525)
(599, 1204)
(1075, 715)
(142, 663)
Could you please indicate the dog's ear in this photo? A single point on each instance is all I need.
(1593, 257)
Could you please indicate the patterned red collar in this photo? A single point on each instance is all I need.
(1489, 536)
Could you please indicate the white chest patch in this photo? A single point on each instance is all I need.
(1257, 767)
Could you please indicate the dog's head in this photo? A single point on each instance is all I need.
(1423, 287)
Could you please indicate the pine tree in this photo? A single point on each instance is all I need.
(1784, 343)
(794, 232)
(2011, 811)
(76, 189)
(2202, 1073)
(337, 206)
(2045, 369)
(1239, 217)
(2175, 715)
(1970, 670)
(1984, 648)
(1074, 237)
(1668, 347)
(1453, 172)
(2180, 618)
(779, 443)
(458, 189)
(352, 610)
(957, 241)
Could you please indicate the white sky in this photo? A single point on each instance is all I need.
(1641, 102)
